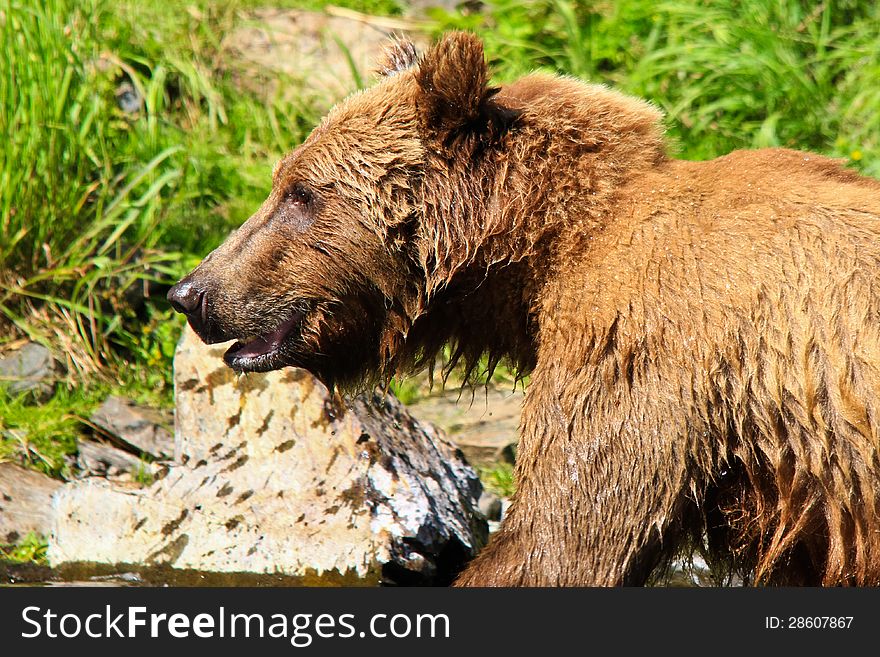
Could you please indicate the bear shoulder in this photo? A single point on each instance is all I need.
(564, 105)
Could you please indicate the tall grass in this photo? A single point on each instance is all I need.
(78, 223)
(95, 201)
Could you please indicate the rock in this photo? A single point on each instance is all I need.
(322, 54)
(128, 98)
(138, 429)
(427, 7)
(490, 506)
(482, 423)
(30, 367)
(277, 475)
(103, 460)
(25, 502)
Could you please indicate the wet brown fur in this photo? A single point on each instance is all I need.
(703, 337)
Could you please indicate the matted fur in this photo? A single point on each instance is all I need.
(702, 337)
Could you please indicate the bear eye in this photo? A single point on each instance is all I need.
(299, 194)
(297, 207)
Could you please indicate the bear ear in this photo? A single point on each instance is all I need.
(398, 56)
(453, 84)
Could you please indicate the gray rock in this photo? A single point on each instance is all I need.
(104, 460)
(490, 506)
(129, 98)
(25, 502)
(31, 367)
(505, 507)
(421, 8)
(139, 429)
(693, 571)
(277, 475)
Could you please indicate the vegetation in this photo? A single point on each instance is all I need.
(30, 549)
(498, 479)
(132, 146)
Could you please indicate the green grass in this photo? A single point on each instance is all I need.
(31, 549)
(498, 479)
(43, 435)
(95, 201)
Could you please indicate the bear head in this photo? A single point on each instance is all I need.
(366, 221)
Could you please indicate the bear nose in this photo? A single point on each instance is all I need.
(187, 299)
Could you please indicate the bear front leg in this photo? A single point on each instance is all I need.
(602, 483)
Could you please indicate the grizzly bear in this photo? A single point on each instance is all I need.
(702, 338)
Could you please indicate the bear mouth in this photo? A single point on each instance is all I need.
(263, 353)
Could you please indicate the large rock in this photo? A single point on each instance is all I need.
(97, 459)
(277, 475)
(25, 502)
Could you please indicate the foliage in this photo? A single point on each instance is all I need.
(498, 479)
(31, 549)
(43, 435)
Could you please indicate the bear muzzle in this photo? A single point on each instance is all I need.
(191, 300)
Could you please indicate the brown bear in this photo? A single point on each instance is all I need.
(703, 338)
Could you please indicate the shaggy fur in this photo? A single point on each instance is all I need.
(702, 337)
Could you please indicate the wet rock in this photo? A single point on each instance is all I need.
(503, 507)
(693, 571)
(29, 368)
(138, 429)
(277, 475)
(25, 502)
(483, 423)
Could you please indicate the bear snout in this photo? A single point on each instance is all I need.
(186, 298)
(190, 299)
